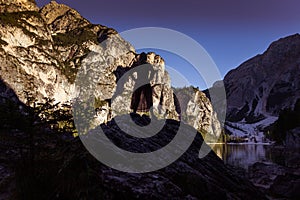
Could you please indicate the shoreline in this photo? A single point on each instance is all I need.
(242, 143)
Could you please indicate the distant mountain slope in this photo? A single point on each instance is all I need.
(261, 87)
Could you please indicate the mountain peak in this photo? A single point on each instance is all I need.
(284, 47)
(61, 18)
(53, 10)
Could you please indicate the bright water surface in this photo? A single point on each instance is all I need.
(244, 155)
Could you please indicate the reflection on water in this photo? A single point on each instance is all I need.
(244, 155)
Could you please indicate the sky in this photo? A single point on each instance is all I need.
(231, 31)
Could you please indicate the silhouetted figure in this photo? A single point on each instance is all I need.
(141, 100)
(177, 106)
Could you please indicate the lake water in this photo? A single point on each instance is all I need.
(244, 155)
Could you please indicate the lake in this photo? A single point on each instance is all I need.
(244, 155)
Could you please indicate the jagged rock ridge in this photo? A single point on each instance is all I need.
(41, 51)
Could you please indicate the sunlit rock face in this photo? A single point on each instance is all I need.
(28, 58)
(17, 5)
(42, 50)
(53, 52)
(61, 18)
(197, 111)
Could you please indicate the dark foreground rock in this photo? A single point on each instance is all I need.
(59, 167)
(275, 180)
(293, 138)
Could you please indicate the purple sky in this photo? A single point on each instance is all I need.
(231, 31)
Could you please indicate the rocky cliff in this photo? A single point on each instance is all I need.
(261, 87)
(29, 61)
(17, 6)
(199, 113)
(42, 51)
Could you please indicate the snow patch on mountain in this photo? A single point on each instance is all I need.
(250, 133)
